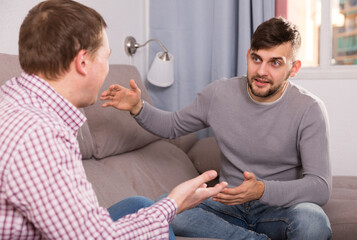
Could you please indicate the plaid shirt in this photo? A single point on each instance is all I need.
(44, 193)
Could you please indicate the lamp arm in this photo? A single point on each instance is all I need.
(156, 40)
(131, 45)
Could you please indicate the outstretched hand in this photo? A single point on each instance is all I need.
(123, 98)
(250, 189)
(192, 192)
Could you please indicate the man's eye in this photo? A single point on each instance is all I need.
(276, 63)
(256, 59)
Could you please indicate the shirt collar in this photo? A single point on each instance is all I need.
(71, 115)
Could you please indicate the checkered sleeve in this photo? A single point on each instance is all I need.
(47, 184)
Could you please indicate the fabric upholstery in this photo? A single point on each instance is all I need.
(9, 67)
(151, 170)
(185, 143)
(109, 185)
(342, 207)
(204, 155)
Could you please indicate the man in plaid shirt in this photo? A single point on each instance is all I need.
(44, 193)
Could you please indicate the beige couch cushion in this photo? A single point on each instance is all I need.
(204, 155)
(154, 169)
(113, 131)
(341, 208)
(9, 67)
(109, 186)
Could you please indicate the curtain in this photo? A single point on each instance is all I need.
(209, 40)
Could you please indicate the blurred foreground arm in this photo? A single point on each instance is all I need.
(192, 192)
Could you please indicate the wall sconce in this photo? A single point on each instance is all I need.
(161, 73)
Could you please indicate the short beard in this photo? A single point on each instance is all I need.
(271, 91)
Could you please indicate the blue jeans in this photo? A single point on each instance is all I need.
(253, 220)
(132, 205)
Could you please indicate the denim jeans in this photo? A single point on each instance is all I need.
(253, 220)
(132, 205)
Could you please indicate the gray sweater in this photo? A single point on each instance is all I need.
(284, 143)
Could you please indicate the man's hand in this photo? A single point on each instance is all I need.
(250, 189)
(192, 192)
(123, 98)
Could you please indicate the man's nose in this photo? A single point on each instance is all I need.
(262, 70)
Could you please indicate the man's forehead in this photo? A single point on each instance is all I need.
(285, 47)
(275, 53)
(266, 55)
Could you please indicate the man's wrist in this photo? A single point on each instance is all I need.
(261, 189)
(137, 109)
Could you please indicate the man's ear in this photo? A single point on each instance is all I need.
(80, 62)
(295, 68)
(248, 53)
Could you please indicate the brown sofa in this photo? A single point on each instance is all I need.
(122, 160)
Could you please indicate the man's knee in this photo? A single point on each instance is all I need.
(309, 221)
(128, 206)
(140, 201)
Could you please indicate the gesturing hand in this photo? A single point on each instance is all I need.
(192, 192)
(123, 98)
(250, 189)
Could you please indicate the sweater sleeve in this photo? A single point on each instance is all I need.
(313, 147)
(171, 125)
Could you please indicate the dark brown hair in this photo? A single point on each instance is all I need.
(274, 32)
(53, 33)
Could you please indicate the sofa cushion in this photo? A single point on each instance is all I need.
(343, 218)
(185, 142)
(342, 207)
(345, 182)
(205, 155)
(9, 67)
(110, 186)
(113, 131)
(154, 169)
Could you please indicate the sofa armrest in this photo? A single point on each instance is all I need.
(185, 143)
(205, 155)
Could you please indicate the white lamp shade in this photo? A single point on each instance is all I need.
(161, 73)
